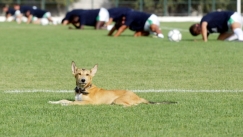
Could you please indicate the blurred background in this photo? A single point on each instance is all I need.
(158, 7)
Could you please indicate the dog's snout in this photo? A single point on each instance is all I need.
(83, 80)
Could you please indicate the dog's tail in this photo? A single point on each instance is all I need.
(163, 102)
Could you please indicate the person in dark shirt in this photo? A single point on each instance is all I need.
(94, 17)
(21, 11)
(142, 23)
(36, 15)
(65, 20)
(227, 23)
(9, 12)
(116, 14)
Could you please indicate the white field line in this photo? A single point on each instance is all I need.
(137, 90)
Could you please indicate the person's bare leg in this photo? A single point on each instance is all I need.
(50, 19)
(155, 28)
(237, 29)
(99, 25)
(37, 21)
(224, 36)
(137, 34)
(113, 29)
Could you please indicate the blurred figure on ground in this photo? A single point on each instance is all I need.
(115, 15)
(227, 23)
(20, 12)
(39, 16)
(9, 13)
(65, 20)
(142, 23)
(94, 17)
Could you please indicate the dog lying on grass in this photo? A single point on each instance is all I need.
(87, 93)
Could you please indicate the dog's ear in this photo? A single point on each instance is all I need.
(94, 70)
(73, 67)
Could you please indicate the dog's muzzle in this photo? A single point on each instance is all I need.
(82, 80)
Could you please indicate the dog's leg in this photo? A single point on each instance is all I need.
(60, 102)
(119, 101)
(125, 101)
(67, 102)
(80, 103)
(130, 99)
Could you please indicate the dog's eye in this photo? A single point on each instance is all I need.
(87, 74)
(79, 73)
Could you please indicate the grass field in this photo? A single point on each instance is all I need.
(206, 79)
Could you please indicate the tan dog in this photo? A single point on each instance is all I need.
(87, 93)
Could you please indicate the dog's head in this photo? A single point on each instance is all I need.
(83, 76)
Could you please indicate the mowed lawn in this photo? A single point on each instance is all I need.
(205, 79)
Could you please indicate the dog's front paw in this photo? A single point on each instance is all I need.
(54, 102)
(64, 104)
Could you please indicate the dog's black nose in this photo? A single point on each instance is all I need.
(83, 80)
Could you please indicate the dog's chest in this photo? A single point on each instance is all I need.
(78, 97)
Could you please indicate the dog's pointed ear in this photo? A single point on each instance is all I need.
(73, 67)
(94, 70)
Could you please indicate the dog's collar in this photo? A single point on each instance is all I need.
(79, 90)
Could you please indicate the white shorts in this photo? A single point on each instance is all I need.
(153, 19)
(17, 13)
(34, 18)
(47, 15)
(23, 19)
(236, 17)
(103, 15)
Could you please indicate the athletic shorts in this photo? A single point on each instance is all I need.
(47, 15)
(34, 18)
(236, 17)
(23, 19)
(153, 19)
(17, 13)
(103, 15)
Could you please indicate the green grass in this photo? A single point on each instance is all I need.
(34, 57)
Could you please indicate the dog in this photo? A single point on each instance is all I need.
(87, 93)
